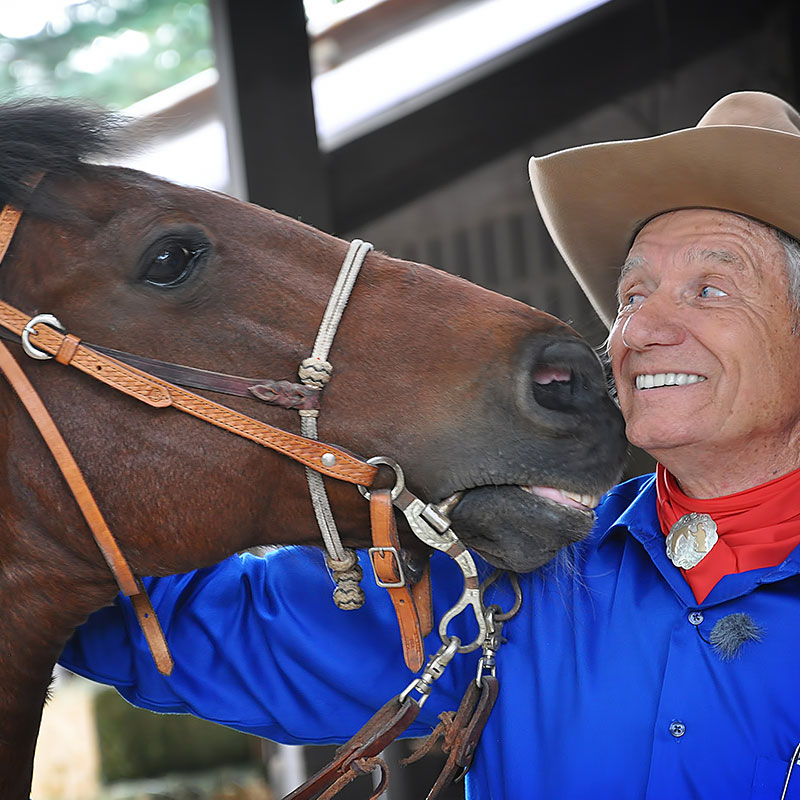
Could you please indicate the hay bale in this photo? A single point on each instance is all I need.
(140, 744)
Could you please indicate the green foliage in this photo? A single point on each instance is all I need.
(139, 744)
(112, 51)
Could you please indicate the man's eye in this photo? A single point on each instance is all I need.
(712, 291)
(631, 299)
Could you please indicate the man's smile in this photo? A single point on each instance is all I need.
(655, 380)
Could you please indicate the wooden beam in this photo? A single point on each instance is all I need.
(615, 49)
(264, 46)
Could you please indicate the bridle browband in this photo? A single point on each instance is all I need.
(159, 384)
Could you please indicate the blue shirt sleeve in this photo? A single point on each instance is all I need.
(259, 646)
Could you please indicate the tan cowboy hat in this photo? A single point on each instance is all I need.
(743, 156)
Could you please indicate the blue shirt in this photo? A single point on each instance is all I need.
(608, 685)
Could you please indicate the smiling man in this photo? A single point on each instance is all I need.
(703, 351)
(663, 663)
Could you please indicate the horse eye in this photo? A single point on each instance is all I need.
(171, 265)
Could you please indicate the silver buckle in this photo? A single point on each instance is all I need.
(393, 550)
(30, 330)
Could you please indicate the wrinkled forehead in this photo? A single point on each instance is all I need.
(707, 236)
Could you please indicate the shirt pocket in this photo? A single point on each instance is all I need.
(769, 777)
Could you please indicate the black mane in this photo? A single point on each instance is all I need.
(55, 137)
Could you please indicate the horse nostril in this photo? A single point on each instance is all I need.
(548, 373)
(553, 387)
(566, 376)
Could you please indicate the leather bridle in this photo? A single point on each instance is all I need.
(160, 385)
(156, 383)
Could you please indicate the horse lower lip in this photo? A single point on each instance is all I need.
(554, 496)
(511, 531)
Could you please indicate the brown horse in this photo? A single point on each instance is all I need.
(469, 391)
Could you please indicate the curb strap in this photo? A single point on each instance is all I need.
(123, 575)
(389, 574)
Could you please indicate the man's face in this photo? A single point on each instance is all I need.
(704, 306)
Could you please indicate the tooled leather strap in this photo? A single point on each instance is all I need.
(388, 569)
(91, 513)
(9, 219)
(423, 600)
(67, 349)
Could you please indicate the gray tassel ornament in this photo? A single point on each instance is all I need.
(731, 632)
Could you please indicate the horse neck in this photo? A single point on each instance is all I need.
(19, 728)
(41, 608)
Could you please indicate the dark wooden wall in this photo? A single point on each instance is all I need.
(617, 48)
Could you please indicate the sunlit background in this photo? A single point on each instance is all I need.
(117, 51)
(144, 57)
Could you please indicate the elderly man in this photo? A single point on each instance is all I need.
(662, 663)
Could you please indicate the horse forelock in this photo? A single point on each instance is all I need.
(54, 137)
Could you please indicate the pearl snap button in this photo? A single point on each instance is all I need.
(677, 729)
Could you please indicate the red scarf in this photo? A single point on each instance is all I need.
(758, 527)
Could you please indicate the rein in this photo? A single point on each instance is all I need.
(158, 384)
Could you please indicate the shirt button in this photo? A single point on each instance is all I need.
(696, 617)
(677, 729)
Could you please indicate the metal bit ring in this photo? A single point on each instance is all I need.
(400, 481)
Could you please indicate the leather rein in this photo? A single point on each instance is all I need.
(159, 384)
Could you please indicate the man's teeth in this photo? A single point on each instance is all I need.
(667, 379)
(585, 502)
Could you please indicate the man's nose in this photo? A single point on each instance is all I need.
(654, 322)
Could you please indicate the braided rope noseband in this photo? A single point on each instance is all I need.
(315, 371)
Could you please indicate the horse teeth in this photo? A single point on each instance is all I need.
(587, 500)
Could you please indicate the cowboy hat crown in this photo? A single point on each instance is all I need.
(743, 156)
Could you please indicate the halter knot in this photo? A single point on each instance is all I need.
(347, 574)
(315, 371)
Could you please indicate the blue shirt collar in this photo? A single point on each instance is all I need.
(637, 499)
(631, 509)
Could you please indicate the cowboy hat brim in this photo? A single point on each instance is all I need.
(594, 199)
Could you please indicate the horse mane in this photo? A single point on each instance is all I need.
(52, 136)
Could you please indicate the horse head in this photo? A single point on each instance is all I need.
(478, 397)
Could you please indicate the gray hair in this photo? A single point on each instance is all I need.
(792, 249)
